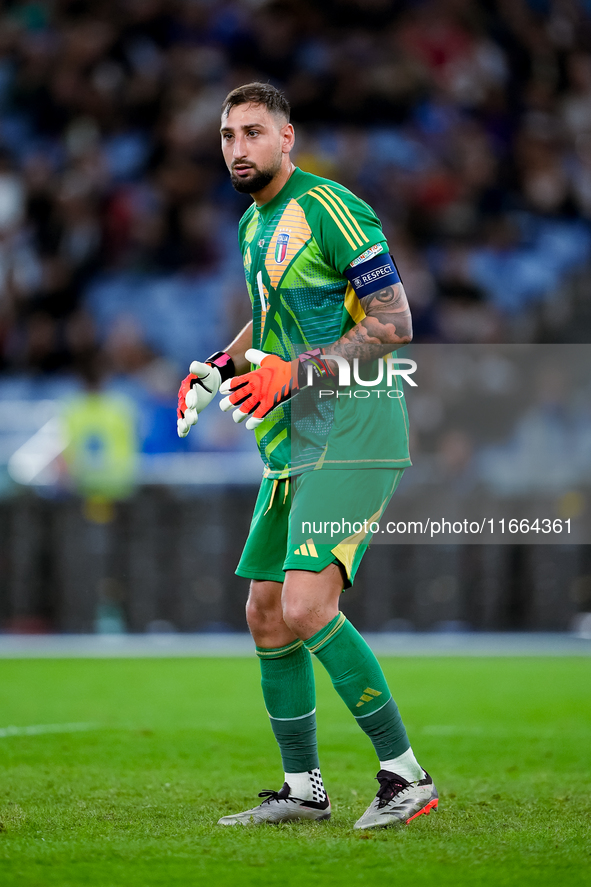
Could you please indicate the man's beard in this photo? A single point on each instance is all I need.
(257, 182)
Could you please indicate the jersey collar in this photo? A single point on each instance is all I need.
(267, 209)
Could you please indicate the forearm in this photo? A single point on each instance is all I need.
(367, 341)
(237, 348)
(386, 327)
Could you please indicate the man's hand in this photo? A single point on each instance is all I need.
(197, 390)
(200, 387)
(257, 393)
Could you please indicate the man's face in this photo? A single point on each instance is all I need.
(253, 143)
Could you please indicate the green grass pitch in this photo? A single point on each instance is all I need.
(179, 742)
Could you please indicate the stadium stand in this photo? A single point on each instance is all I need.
(467, 126)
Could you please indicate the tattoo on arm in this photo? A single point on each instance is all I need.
(386, 326)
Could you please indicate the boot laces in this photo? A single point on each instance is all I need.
(281, 795)
(390, 785)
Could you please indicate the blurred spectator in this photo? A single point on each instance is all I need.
(101, 433)
(557, 423)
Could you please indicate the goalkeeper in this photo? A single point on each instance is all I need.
(325, 294)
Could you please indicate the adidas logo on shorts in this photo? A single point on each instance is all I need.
(307, 549)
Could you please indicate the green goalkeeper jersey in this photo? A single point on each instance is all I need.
(295, 250)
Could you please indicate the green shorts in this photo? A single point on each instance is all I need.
(315, 519)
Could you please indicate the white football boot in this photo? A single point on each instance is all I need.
(280, 807)
(399, 801)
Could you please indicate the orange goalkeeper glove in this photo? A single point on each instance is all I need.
(260, 391)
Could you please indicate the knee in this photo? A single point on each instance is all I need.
(256, 616)
(263, 610)
(298, 617)
(310, 600)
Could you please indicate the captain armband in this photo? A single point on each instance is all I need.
(373, 275)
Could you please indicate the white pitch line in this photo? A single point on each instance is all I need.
(40, 729)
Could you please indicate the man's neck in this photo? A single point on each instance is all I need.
(266, 194)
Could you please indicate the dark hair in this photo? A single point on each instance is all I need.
(258, 94)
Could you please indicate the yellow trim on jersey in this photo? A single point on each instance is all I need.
(320, 462)
(330, 196)
(275, 442)
(351, 216)
(282, 474)
(251, 227)
(345, 211)
(351, 242)
(353, 305)
(276, 474)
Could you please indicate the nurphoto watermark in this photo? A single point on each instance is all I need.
(389, 370)
(493, 442)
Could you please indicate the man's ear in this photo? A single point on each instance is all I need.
(287, 138)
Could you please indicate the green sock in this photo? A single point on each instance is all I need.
(287, 679)
(359, 680)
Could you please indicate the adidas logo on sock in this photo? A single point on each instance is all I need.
(367, 695)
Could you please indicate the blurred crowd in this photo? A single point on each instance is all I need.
(465, 123)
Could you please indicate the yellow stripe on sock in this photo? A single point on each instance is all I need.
(282, 651)
(372, 692)
(336, 627)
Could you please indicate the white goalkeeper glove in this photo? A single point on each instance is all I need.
(200, 387)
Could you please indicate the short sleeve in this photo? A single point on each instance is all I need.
(344, 226)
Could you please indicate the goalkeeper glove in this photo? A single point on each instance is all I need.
(200, 387)
(257, 393)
